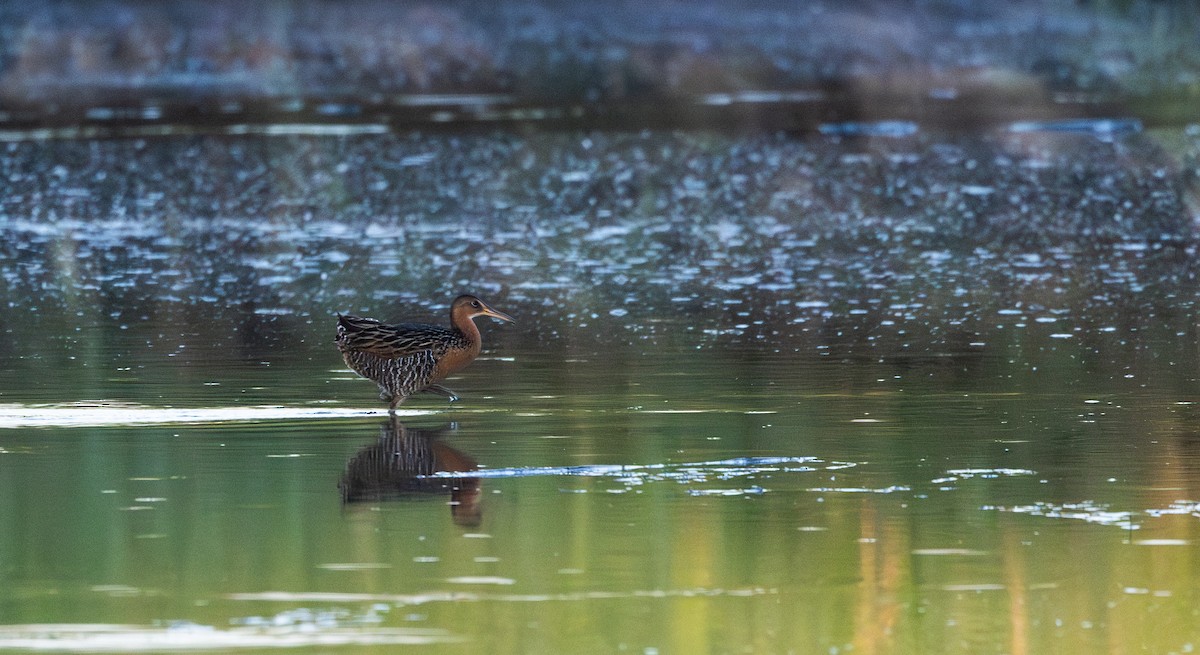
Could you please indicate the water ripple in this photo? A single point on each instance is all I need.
(102, 414)
(1087, 511)
(684, 473)
(107, 638)
(463, 596)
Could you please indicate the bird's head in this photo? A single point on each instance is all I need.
(470, 307)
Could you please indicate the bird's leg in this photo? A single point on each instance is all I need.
(441, 391)
(395, 402)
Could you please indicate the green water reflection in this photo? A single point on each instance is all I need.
(917, 516)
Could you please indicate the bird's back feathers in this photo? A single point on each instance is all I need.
(356, 333)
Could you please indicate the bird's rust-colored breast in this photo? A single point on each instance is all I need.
(455, 358)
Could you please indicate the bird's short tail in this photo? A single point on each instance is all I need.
(349, 325)
(344, 327)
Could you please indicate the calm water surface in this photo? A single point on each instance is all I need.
(733, 420)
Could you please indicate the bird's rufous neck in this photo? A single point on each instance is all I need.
(462, 322)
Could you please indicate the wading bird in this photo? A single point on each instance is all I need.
(411, 357)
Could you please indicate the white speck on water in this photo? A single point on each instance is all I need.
(977, 190)
(417, 160)
(607, 232)
(481, 580)
(726, 230)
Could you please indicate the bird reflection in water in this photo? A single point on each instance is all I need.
(401, 465)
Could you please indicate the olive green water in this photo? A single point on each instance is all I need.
(722, 423)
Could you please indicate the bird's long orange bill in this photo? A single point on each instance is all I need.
(488, 311)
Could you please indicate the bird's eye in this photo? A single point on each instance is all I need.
(475, 304)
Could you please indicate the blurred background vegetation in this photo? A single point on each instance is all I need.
(613, 61)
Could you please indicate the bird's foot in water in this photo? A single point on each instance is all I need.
(441, 391)
(393, 400)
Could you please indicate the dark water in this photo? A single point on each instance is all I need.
(894, 391)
